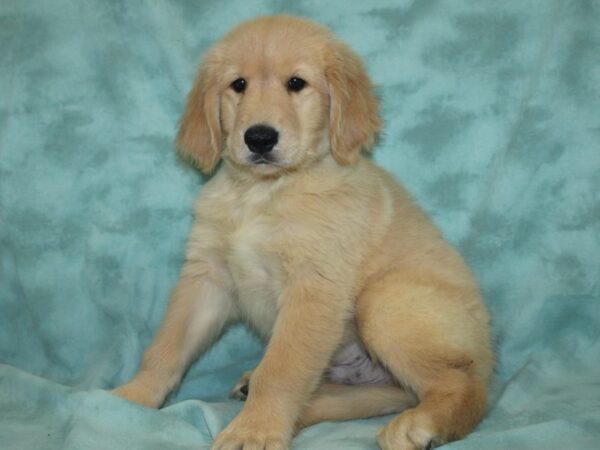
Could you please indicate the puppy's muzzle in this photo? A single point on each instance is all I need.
(261, 139)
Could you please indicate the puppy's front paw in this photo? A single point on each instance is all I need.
(138, 393)
(250, 433)
(240, 390)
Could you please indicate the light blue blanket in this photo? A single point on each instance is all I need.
(492, 114)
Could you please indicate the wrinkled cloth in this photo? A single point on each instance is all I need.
(491, 120)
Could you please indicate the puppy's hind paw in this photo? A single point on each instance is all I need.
(240, 390)
(409, 431)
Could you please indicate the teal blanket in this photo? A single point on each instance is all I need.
(492, 113)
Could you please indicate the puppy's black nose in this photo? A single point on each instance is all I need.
(261, 138)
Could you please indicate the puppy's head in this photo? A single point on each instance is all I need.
(277, 94)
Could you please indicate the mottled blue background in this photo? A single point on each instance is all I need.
(492, 113)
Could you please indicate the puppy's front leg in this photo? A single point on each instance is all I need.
(307, 331)
(198, 309)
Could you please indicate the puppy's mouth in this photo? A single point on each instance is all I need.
(268, 159)
(265, 159)
(268, 163)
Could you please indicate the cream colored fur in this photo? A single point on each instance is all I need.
(317, 250)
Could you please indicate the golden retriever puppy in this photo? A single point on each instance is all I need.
(365, 309)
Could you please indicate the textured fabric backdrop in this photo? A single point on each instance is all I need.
(492, 114)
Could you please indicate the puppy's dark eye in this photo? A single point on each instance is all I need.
(239, 85)
(296, 84)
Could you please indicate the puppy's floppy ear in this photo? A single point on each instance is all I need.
(199, 136)
(354, 108)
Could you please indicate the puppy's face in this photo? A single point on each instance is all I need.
(278, 94)
(274, 101)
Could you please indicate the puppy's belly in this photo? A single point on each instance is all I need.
(352, 365)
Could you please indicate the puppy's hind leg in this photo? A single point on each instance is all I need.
(335, 402)
(347, 402)
(198, 310)
(432, 336)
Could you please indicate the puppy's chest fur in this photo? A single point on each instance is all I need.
(250, 239)
(258, 275)
(255, 239)
(256, 272)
